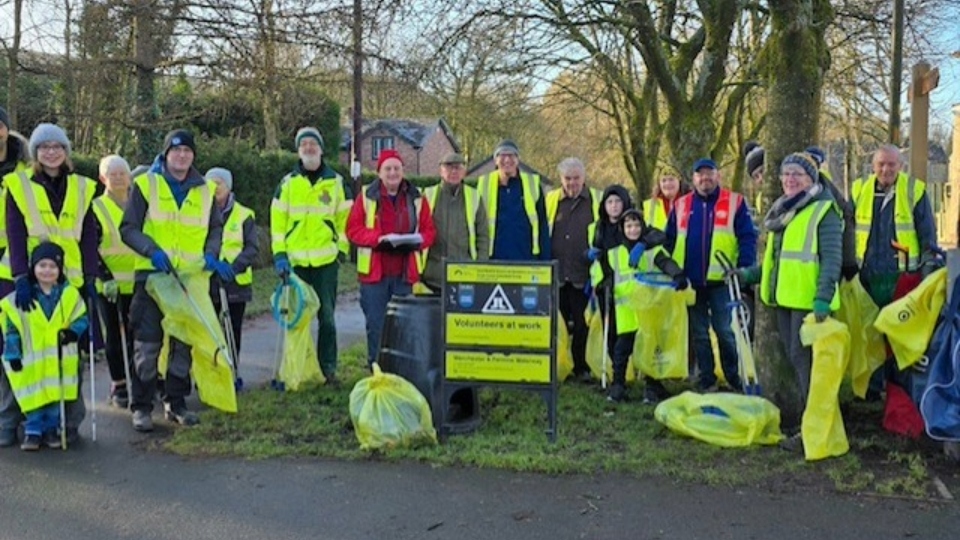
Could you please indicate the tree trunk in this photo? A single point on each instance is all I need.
(13, 62)
(145, 59)
(798, 58)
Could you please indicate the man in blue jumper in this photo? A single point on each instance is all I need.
(514, 204)
(707, 220)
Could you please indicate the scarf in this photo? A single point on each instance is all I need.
(785, 208)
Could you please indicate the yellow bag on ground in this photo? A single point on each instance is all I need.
(300, 365)
(729, 420)
(564, 356)
(909, 322)
(387, 411)
(661, 348)
(867, 350)
(597, 347)
(194, 321)
(822, 425)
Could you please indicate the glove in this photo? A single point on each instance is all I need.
(636, 253)
(681, 282)
(282, 265)
(593, 254)
(160, 261)
(16, 364)
(225, 271)
(67, 336)
(849, 271)
(111, 290)
(821, 310)
(24, 294)
(588, 289)
(90, 288)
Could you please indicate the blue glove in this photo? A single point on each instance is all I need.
(209, 262)
(90, 288)
(24, 294)
(282, 265)
(821, 310)
(593, 254)
(225, 271)
(588, 289)
(160, 261)
(636, 253)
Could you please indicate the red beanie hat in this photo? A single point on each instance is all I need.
(387, 154)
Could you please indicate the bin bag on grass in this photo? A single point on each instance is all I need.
(822, 427)
(387, 411)
(729, 420)
(564, 356)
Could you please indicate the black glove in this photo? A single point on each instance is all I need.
(16, 364)
(90, 287)
(849, 271)
(67, 336)
(24, 294)
(681, 282)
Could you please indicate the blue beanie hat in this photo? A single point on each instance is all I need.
(804, 160)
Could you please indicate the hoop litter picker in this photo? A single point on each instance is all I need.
(740, 322)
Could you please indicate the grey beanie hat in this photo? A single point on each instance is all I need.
(47, 133)
(311, 132)
(221, 173)
(4, 118)
(506, 146)
(804, 160)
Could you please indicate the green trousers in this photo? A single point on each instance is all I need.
(323, 279)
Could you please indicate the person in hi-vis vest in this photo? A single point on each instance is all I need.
(49, 202)
(171, 222)
(460, 219)
(515, 209)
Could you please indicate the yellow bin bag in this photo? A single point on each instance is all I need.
(387, 411)
(300, 366)
(723, 419)
(867, 350)
(564, 356)
(822, 424)
(910, 321)
(661, 348)
(597, 347)
(193, 320)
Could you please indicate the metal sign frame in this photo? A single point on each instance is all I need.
(513, 302)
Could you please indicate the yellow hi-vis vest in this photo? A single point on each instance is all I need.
(5, 272)
(654, 214)
(38, 383)
(471, 200)
(365, 254)
(489, 188)
(625, 284)
(181, 231)
(908, 193)
(552, 202)
(308, 220)
(798, 267)
(119, 258)
(233, 239)
(724, 235)
(42, 225)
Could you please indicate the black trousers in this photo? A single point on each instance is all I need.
(113, 344)
(573, 302)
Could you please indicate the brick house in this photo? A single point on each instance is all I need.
(421, 144)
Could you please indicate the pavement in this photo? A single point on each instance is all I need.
(121, 487)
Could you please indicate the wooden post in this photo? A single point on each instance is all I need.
(923, 82)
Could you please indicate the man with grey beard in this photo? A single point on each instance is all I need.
(308, 219)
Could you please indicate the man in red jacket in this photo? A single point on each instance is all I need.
(390, 222)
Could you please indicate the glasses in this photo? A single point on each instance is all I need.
(793, 174)
(51, 147)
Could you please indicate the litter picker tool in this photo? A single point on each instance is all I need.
(221, 349)
(281, 309)
(741, 327)
(123, 344)
(92, 316)
(227, 323)
(63, 393)
(607, 298)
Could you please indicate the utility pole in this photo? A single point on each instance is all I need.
(355, 149)
(896, 73)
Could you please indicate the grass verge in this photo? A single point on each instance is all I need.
(265, 280)
(594, 437)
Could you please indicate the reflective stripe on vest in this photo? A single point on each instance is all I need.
(179, 231)
(798, 265)
(233, 240)
(723, 238)
(118, 257)
(907, 194)
(654, 214)
(38, 383)
(489, 187)
(552, 202)
(365, 254)
(306, 220)
(471, 200)
(41, 223)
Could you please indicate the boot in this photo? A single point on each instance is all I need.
(179, 413)
(142, 421)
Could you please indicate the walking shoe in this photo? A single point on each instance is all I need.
(51, 439)
(8, 437)
(584, 377)
(794, 443)
(31, 443)
(332, 381)
(119, 397)
(707, 388)
(617, 393)
(650, 395)
(73, 435)
(142, 421)
(180, 414)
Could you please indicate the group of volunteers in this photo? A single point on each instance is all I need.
(71, 258)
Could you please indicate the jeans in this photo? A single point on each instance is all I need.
(374, 298)
(712, 309)
(42, 420)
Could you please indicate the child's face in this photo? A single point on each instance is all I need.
(46, 272)
(632, 229)
(614, 207)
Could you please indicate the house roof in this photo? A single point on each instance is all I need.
(415, 132)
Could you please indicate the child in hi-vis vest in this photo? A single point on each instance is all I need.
(55, 318)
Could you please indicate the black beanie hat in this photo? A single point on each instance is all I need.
(46, 250)
(753, 155)
(634, 213)
(178, 137)
(5, 118)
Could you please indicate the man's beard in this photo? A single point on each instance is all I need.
(311, 163)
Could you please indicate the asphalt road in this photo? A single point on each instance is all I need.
(121, 487)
